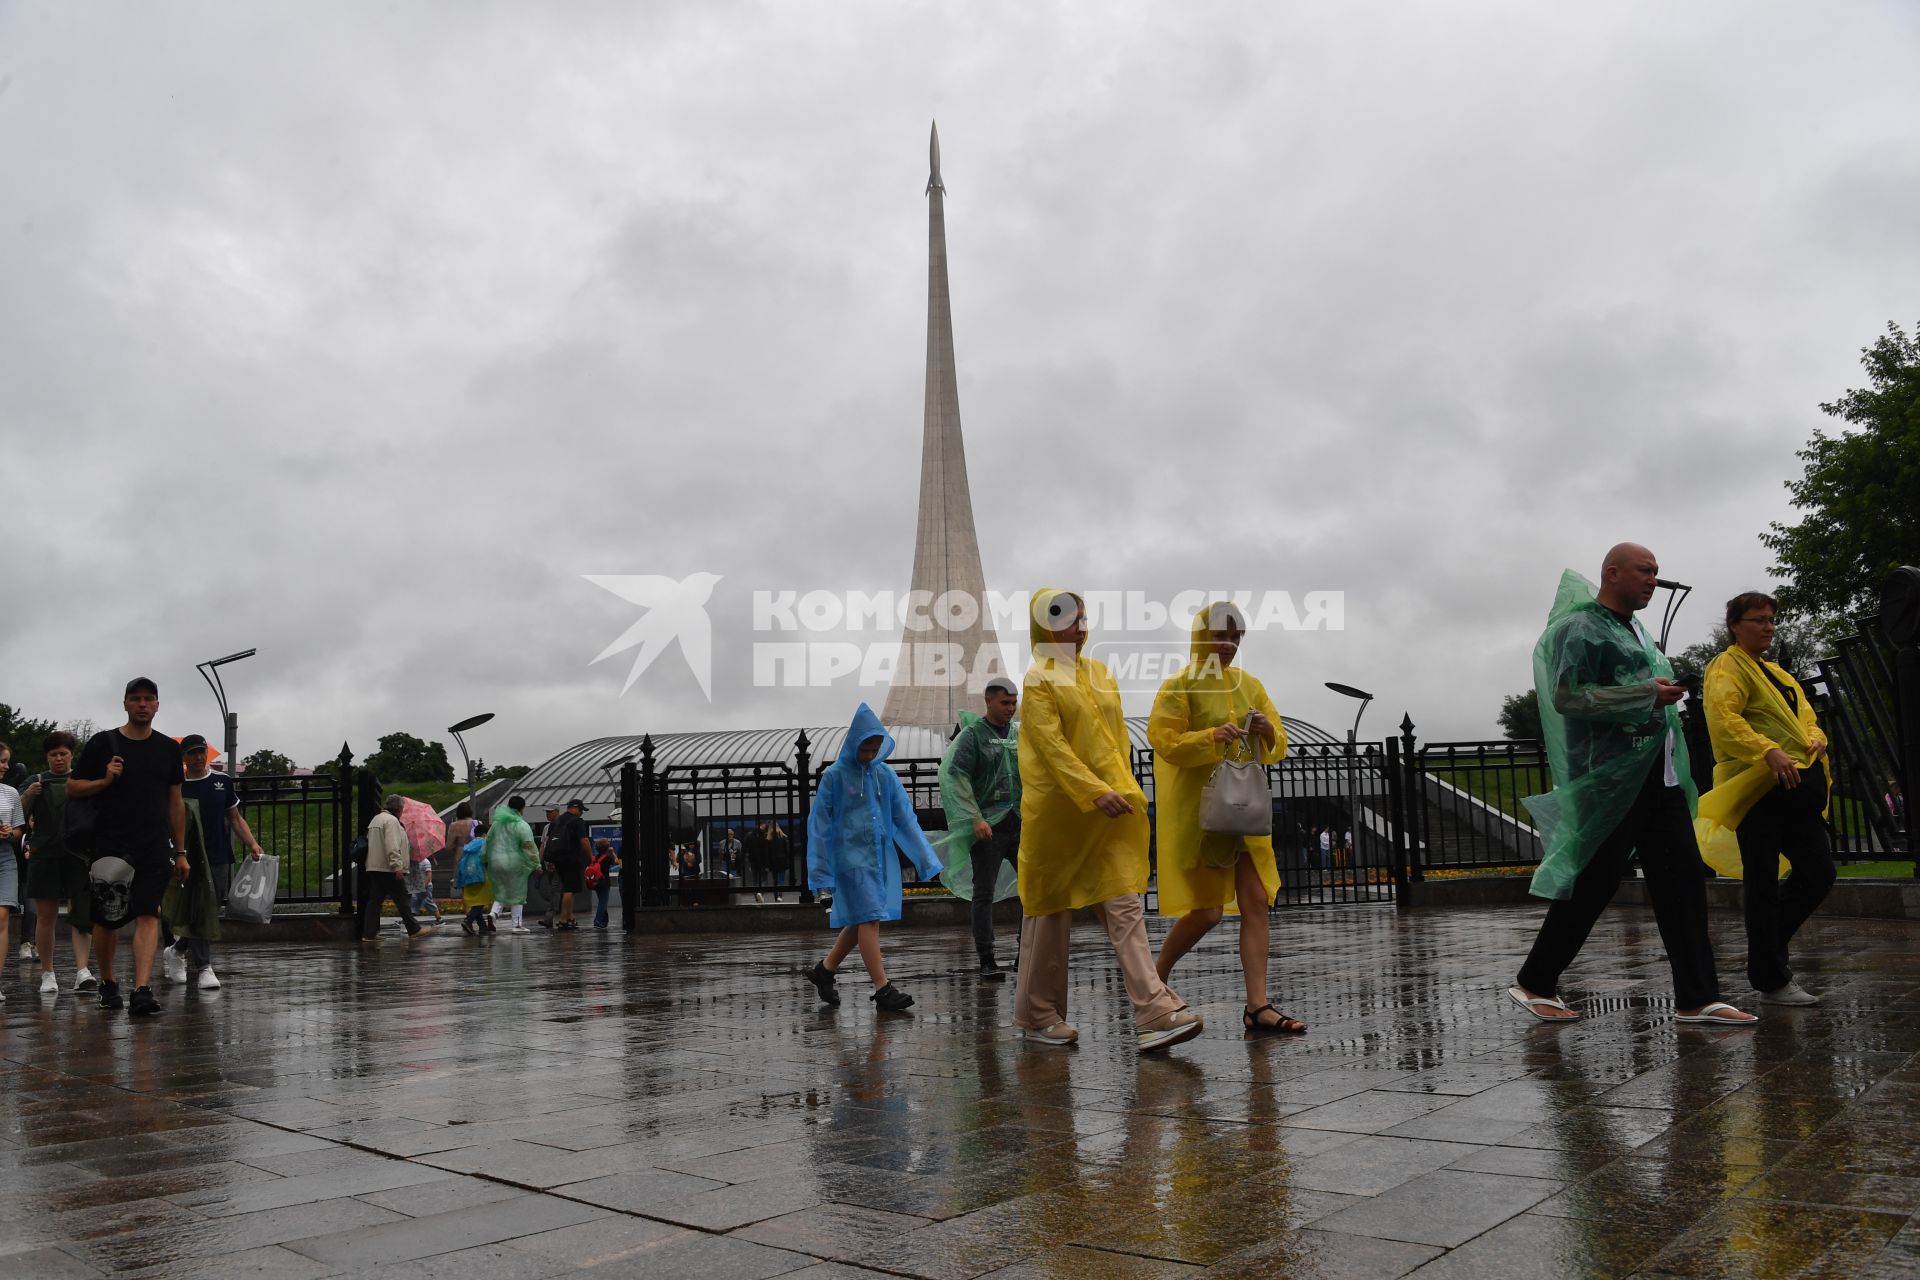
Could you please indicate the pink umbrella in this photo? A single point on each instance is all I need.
(425, 832)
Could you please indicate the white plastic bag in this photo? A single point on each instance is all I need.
(250, 896)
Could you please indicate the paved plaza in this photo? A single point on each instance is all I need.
(558, 1105)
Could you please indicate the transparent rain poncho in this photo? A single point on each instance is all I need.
(1196, 700)
(193, 908)
(1748, 717)
(860, 816)
(511, 856)
(1595, 677)
(1074, 748)
(979, 780)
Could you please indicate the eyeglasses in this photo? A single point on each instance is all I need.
(1761, 622)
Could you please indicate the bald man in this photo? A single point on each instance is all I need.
(1607, 707)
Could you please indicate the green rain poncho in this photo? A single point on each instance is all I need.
(1594, 674)
(979, 779)
(511, 856)
(193, 908)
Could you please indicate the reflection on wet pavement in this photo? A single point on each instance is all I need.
(586, 1103)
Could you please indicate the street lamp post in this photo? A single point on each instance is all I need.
(229, 721)
(1353, 760)
(471, 722)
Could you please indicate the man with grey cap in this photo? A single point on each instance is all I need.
(980, 791)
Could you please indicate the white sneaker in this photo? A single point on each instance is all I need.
(173, 965)
(207, 981)
(49, 985)
(1181, 1024)
(85, 981)
(27, 951)
(1791, 994)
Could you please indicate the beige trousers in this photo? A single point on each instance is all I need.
(1040, 996)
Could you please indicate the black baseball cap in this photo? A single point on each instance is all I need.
(193, 742)
(139, 683)
(577, 804)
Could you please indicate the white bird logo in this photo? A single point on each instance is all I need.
(674, 611)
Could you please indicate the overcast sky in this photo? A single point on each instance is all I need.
(359, 333)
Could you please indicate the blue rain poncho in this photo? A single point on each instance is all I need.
(860, 816)
(979, 780)
(1603, 729)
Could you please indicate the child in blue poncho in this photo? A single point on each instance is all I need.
(861, 816)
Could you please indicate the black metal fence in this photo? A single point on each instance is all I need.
(307, 821)
(1347, 820)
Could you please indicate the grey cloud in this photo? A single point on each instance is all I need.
(1423, 306)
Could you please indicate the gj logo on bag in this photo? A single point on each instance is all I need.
(112, 891)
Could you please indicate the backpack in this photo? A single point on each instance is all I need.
(472, 868)
(596, 871)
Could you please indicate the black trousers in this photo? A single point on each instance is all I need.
(1659, 826)
(1783, 823)
(986, 857)
(384, 887)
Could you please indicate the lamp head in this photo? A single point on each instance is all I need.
(1349, 691)
(471, 722)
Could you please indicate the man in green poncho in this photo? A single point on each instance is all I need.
(980, 791)
(1608, 712)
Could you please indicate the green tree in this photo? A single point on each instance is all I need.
(1520, 716)
(405, 758)
(23, 735)
(1797, 644)
(499, 771)
(1861, 491)
(267, 760)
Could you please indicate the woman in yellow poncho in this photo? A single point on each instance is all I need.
(1083, 835)
(1771, 782)
(1206, 710)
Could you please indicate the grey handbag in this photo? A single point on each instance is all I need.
(1238, 798)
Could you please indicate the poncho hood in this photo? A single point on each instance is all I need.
(865, 725)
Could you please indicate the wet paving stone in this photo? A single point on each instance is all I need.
(680, 1106)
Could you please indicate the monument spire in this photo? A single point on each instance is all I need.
(930, 685)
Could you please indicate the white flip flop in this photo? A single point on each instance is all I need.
(1711, 1013)
(1532, 1005)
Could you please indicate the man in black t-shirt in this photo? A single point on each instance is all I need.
(133, 775)
(568, 849)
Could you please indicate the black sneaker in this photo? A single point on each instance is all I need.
(990, 970)
(891, 999)
(143, 1005)
(822, 979)
(110, 996)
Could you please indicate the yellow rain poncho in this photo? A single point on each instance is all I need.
(1198, 699)
(1594, 673)
(1073, 750)
(1747, 718)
